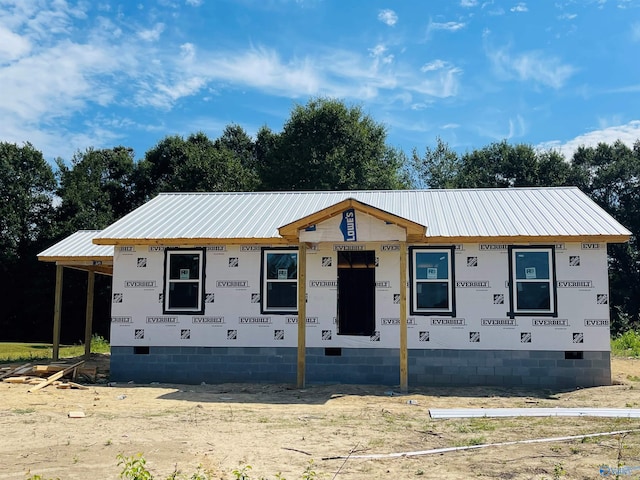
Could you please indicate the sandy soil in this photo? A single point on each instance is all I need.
(278, 428)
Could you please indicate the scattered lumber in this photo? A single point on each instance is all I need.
(16, 371)
(56, 376)
(70, 385)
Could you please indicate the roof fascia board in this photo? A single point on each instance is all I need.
(169, 242)
(532, 239)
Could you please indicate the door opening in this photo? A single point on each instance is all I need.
(356, 292)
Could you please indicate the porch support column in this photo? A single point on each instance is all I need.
(404, 370)
(57, 310)
(89, 315)
(302, 312)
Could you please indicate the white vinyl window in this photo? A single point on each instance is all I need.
(432, 281)
(279, 290)
(532, 273)
(184, 281)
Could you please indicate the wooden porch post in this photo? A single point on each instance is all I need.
(89, 315)
(302, 312)
(57, 310)
(404, 369)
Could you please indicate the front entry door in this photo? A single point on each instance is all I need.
(356, 292)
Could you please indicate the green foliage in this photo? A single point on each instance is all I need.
(498, 165)
(27, 187)
(327, 145)
(242, 473)
(134, 467)
(626, 344)
(198, 164)
(96, 190)
(99, 344)
(26, 352)
(31, 476)
(559, 471)
(27, 184)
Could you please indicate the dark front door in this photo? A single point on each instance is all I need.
(356, 292)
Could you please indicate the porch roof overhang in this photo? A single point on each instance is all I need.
(78, 251)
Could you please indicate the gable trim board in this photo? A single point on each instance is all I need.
(233, 340)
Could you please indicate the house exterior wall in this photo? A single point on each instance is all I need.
(233, 341)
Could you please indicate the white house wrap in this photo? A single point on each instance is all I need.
(503, 287)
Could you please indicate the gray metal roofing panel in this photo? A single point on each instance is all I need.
(79, 244)
(562, 211)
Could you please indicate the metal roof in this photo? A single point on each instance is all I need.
(78, 246)
(549, 213)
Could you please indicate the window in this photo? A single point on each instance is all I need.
(431, 273)
(184, 281)
(532, 281)
(279, 289)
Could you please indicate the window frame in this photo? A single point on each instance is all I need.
(199, 308)
(413, 282)
(513, 282)
(264, 309)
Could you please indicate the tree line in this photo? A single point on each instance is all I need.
(324, 145)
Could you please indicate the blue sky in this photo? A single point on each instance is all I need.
(550, 73)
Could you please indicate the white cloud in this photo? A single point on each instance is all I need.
(388, 16)
(432, 66)
(567, 16)
(468, 3)
(531, 66)
(449, 26)
(152, 34)
(12, 46)
(441, 79)
(520, 7)
(194, 3)
(628, 133)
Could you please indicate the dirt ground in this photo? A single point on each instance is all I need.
(278, 428)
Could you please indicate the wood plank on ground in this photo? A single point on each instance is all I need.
(17, 371)
(56, 376)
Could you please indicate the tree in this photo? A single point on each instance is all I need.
(27, 186)
(498, 165)
(326, 145)
(197, 164)
(439, 168)
(96, 190)
(610, 175)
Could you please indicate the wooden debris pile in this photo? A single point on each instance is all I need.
(60, 375)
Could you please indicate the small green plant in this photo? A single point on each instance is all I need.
(242, 473)
(134, 467)
(558, 471)
(309, 473)
(99, 344)
(38, 477)
(626, 344)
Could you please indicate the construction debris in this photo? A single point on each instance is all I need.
(40, 376)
